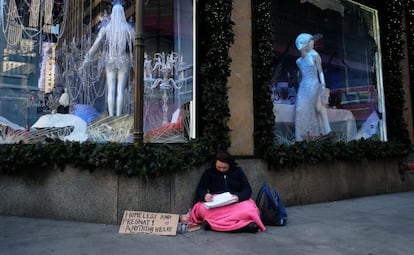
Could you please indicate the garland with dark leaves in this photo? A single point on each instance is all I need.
(262, 60)
(392, 55)
(214, 69)
(409, 25)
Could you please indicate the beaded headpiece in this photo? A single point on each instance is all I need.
(117, 2)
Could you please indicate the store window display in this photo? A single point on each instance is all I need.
(93, 62)
(330, 58)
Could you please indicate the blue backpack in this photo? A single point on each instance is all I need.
(272, 210)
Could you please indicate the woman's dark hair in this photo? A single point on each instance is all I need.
(225, 157)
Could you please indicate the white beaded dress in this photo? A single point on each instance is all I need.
(308, 120)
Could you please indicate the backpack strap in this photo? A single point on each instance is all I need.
(272, 196)
(259, 197)
(260, 194)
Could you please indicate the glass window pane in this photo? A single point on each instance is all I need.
(19, 70)
(168, 70)
(62, 79)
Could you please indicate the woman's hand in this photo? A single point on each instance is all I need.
(208, 197)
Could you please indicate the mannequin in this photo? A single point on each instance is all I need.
(311, 117)
(64, 103)
(117, 35)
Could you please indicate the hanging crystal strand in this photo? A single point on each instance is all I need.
(48, 19)
(73, 62)
(13, 28)
(62, 26)
(34, 13)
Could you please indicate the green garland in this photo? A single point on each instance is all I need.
(409, 25)
(214, 65)
(392, 53)
(262, 62)
(130, 159)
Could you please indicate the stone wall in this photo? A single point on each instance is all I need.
(240, 82)
(102, 196)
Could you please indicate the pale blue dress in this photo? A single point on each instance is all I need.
(308, 121)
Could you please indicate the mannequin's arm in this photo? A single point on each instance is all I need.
(95, 45)
(324, 91)
(92, 50)
(298, 73)
(318, 63)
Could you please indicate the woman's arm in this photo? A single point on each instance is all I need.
(202, 187)
(245, 188)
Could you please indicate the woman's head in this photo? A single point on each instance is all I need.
(224, 161)
(303, 41)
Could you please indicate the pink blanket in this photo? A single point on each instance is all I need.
(229, 217)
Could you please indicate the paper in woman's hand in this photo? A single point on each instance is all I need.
(221, 200)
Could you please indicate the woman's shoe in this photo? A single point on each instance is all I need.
(252, 227)
(206, 226)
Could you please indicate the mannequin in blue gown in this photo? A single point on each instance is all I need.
(311, 118)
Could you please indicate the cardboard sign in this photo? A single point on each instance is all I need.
(135, 222)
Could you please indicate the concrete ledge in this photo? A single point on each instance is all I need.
(101, 196)
(71, 194)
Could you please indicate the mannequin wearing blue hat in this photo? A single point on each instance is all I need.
(311, 117)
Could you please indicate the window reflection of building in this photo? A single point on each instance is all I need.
(33, 55)
(19, 51)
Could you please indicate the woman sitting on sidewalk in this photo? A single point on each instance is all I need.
(226, 176)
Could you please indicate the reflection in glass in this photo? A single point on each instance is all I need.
(168, 95)
(42, 82)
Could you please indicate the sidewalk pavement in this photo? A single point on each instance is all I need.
(374, 225)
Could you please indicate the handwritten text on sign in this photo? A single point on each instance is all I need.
(135, 222)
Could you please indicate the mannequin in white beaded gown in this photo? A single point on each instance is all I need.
(311, 118)
(117, 36)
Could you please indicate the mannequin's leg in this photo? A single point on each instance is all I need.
(122, 81)
(323, 117)
(111, 83)
(325, 121)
